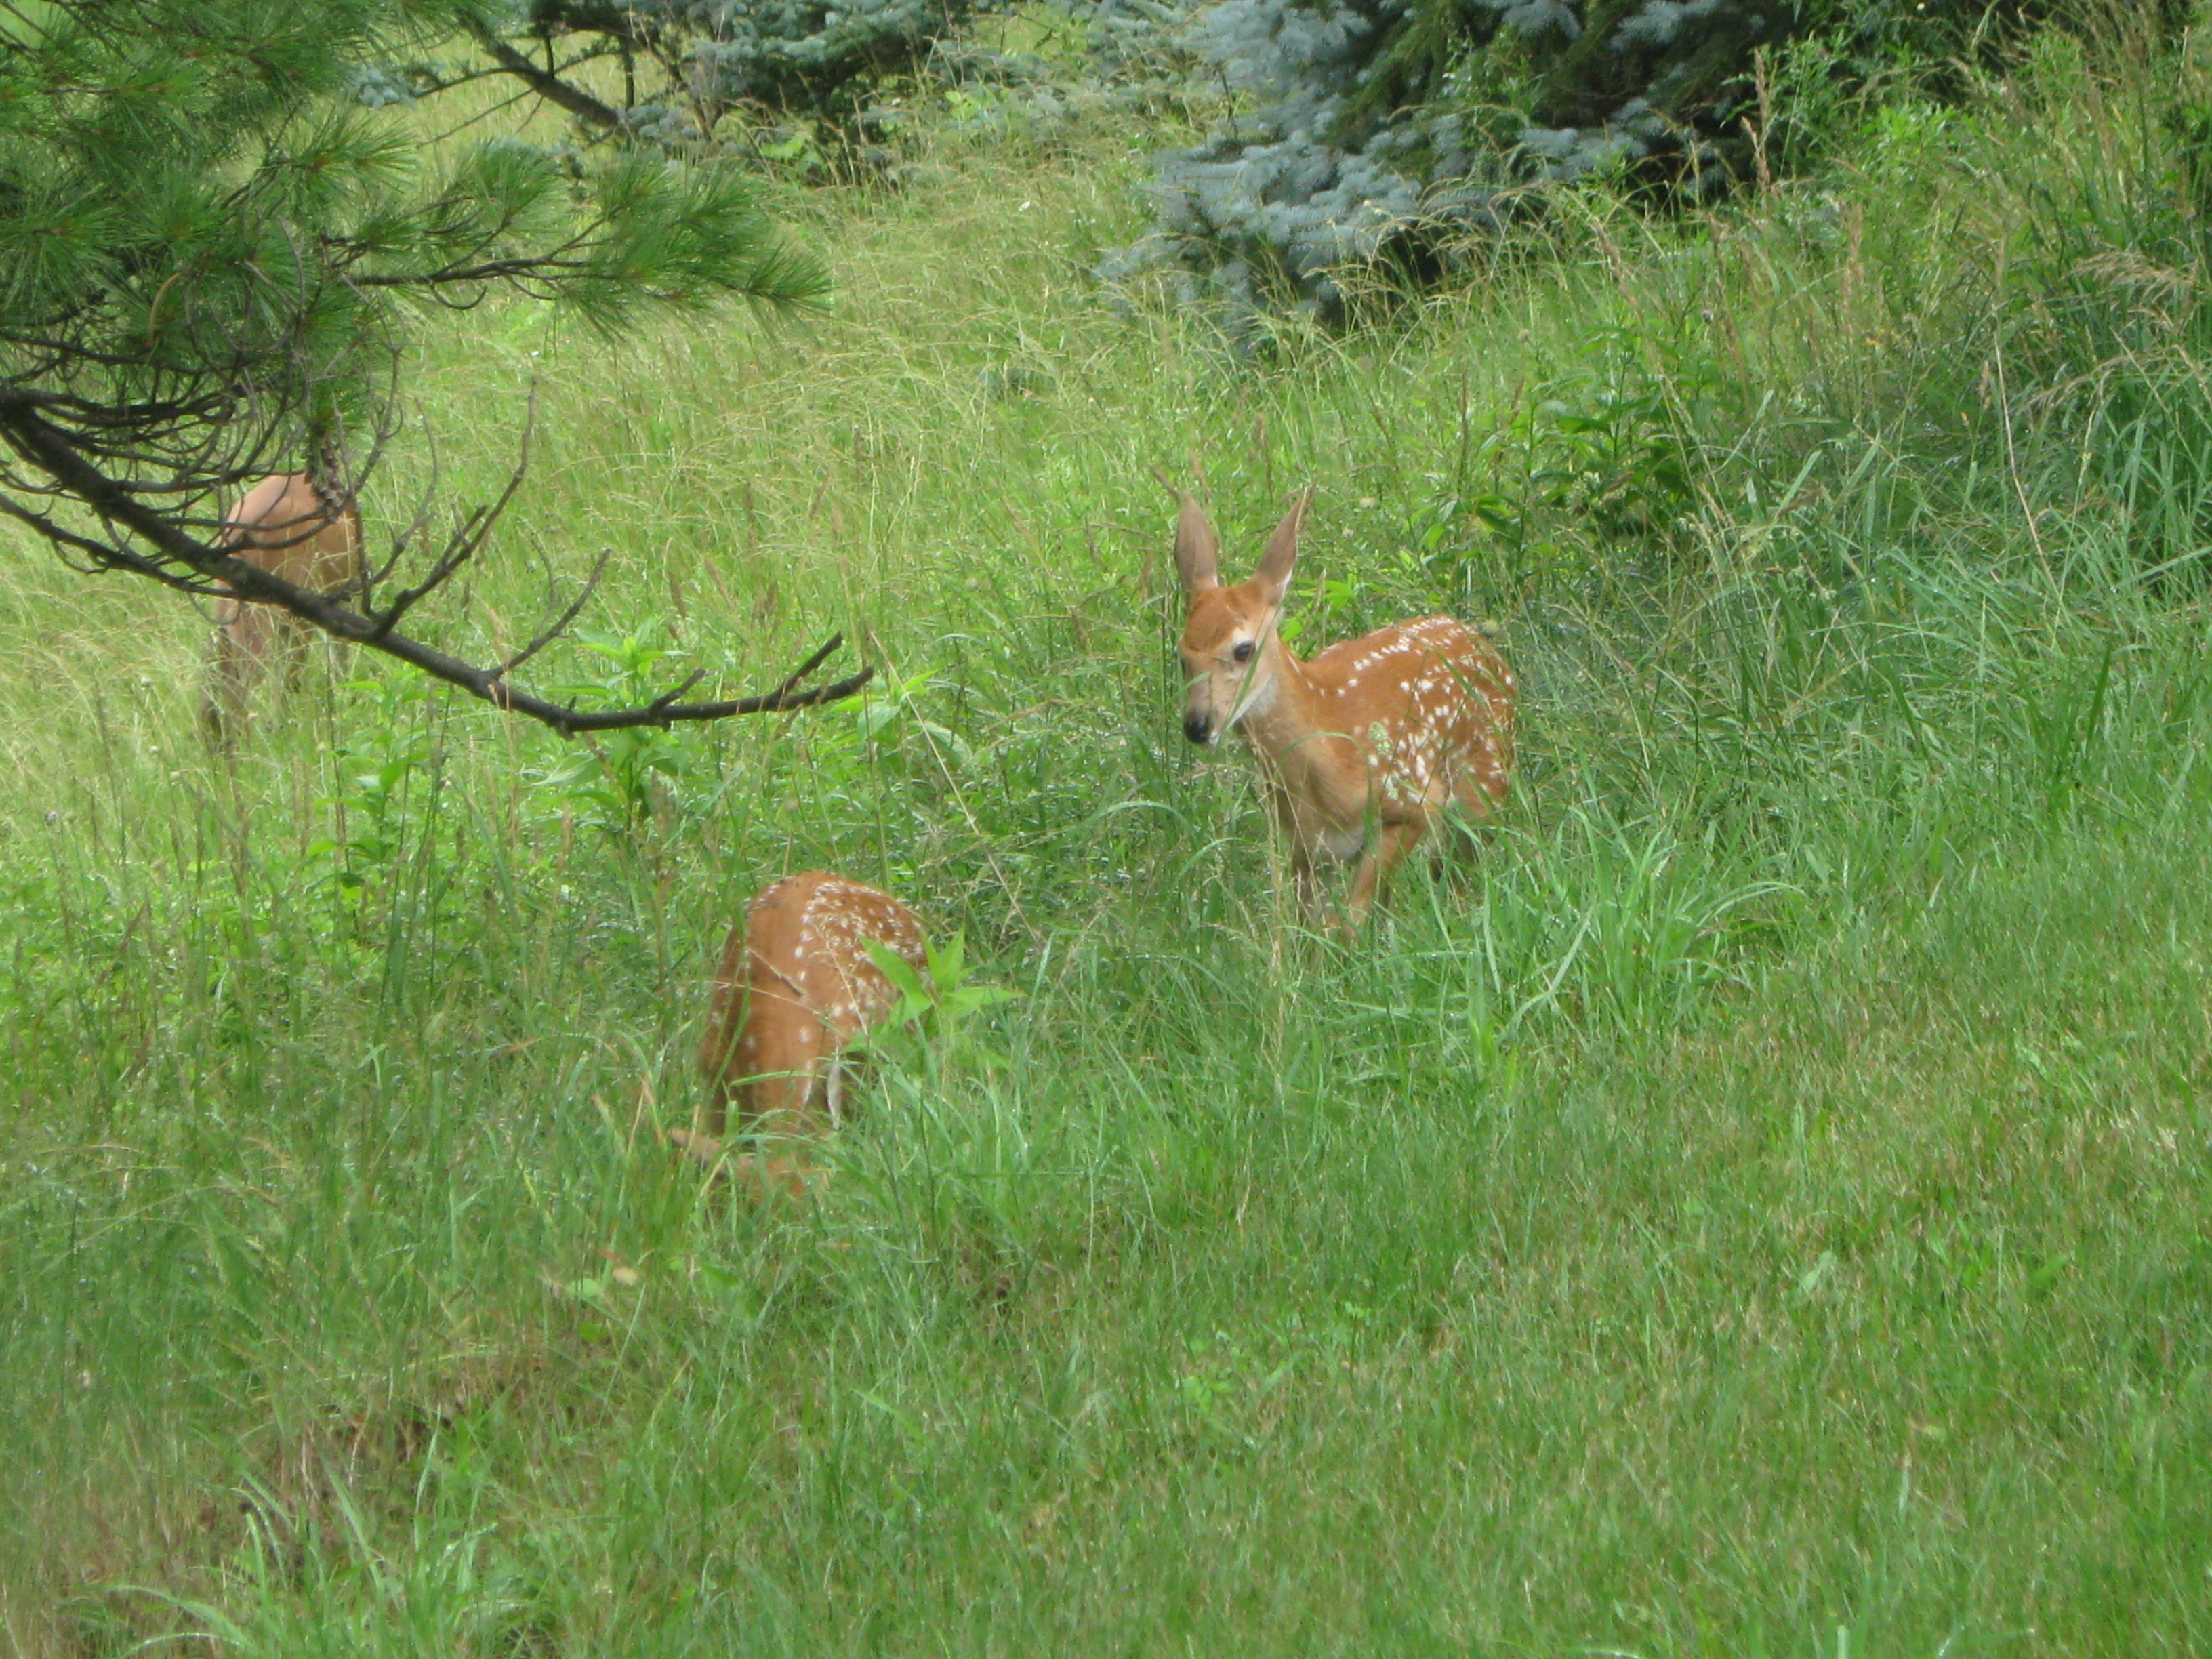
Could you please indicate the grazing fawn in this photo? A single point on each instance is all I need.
(1364, 748)
(797, 986)
(292, 529)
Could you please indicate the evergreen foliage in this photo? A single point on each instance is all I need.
(817, 62)
(1370, 125)
(209, 257)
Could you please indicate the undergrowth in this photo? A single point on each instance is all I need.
(1757, 1207)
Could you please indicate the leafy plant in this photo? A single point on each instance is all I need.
(623, 779)
(887, 727)
(934, 1004)
(375, 809)
(1603, 449)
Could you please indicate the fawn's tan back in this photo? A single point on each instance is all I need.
(796, 986)
(284, 526)
(1432, 704)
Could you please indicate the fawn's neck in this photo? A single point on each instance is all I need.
(1288, 717)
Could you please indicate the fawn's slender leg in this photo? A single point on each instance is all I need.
(1391, 843)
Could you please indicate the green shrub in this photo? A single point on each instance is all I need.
(1381, 130)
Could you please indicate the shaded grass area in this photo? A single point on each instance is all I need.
(1761, 1206)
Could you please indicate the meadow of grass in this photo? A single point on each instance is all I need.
(1759, 1208)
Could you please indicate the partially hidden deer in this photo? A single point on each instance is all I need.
(291, 527)
(1364, 749)
(797, 986)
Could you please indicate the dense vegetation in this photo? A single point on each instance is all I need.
(1762, 1208)
(1388, 131)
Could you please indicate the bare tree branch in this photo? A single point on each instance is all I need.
(459, 549)
(405, 538)
(808, 666)
(24, 427)
(560, 625)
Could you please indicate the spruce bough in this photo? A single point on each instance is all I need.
(1377, 129)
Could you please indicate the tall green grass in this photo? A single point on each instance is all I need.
(1759, 1206)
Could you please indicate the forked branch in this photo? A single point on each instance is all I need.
(546, 84)
(178, 559)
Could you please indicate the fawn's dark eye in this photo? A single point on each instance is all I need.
(1243, 651)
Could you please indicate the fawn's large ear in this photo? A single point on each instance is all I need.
(1274, 575)
(1198, 550)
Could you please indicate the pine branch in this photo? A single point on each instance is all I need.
(548, 86)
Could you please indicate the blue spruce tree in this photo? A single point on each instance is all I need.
(1374, 124)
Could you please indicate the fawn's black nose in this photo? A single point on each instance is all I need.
(1197, 727)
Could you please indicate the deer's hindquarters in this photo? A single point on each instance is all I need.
(284, 526)
(796, 986)
(1444, 734)
(1393, 726)
(1393, 732)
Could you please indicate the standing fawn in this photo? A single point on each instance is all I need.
(797, 986)
(1364, 748)
(290, 528)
